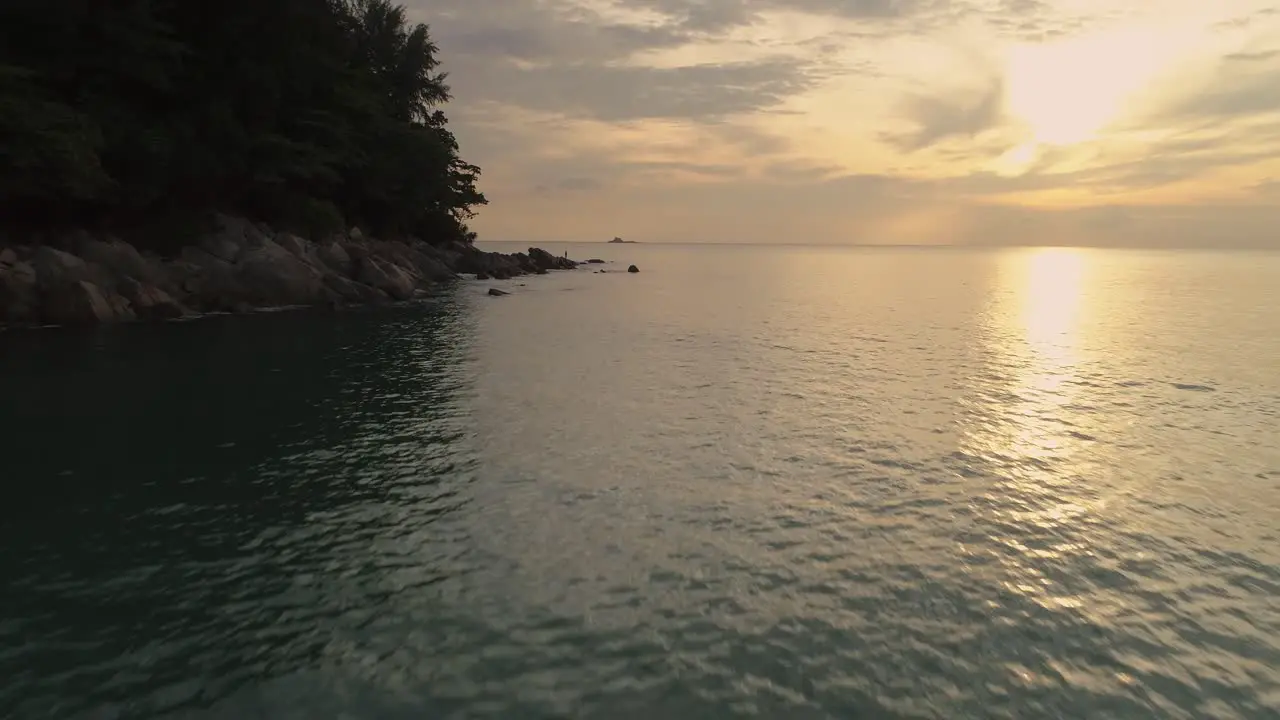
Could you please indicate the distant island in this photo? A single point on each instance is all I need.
(620, 240)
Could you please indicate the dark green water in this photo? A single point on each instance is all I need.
(744, 483)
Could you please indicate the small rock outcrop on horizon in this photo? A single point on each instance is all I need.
(633, 269)
(238, 266)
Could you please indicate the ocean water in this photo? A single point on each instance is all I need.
(745, 482)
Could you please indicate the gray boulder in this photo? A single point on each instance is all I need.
(333, 256)
(119, 259)
(209, 284)
(57, 269)
(272, 275)
(83, 303)
(150, 302)
(347, 290)
(231, 235)
(300, 248)
(18, 298)
(389, 278)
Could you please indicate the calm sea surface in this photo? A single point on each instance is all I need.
(747, 482)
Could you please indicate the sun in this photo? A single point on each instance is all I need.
(1067, 92)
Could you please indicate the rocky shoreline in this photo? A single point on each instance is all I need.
(240, 266)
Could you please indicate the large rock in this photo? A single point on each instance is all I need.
(471, 261)
(389, 278)
(208, 284)
(274, 276)
(410, 258)
(491, 264)
(300, 248)
(425, 260)
(85, 303)
(349, 291)
(544, 260)
(121, 260)
(524, 262)
(18, 299)
(56, 269)
(231, 237)
(150, 302)
(333, 256)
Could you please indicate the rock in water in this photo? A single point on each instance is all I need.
(495, 292)
(633, 269)
(544, 260)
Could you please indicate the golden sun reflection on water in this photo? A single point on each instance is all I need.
(1034, 338)
(1028, 429)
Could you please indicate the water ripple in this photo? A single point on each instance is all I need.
(811, 501)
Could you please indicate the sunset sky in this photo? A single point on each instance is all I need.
(1028, 122)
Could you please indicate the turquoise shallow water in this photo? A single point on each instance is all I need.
(747, 482)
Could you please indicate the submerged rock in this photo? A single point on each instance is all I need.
(495, 292)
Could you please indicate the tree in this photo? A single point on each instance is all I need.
(307, 113)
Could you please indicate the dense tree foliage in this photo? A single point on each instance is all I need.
(313, 114)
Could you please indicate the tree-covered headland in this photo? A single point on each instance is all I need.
(142, 116)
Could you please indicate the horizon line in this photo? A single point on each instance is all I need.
(915, 246)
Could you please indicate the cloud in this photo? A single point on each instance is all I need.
(1247, 20)
(1230, 92)
(962, 114)
(716, 15)
(863, 120)
(1251, 57)
(570, 185)
(626, 93)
